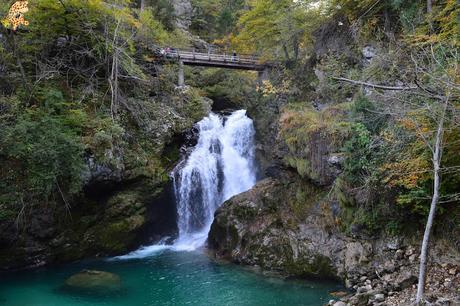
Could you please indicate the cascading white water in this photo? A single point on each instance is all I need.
(220, 166)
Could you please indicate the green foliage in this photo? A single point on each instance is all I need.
(277, 29)
(365, 112)
(225, 87)
(308, 132)
(215, 19)
(164, 12)
(41, 153)
(358, 153)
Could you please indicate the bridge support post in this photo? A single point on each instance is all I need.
(263, 75)
(181, 81)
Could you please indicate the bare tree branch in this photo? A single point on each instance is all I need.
(375, 85)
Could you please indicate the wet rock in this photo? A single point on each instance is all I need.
(338, 294)
(339, 303)
(94, 280)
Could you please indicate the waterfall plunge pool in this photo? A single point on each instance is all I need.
(166, 278)
(221, 165)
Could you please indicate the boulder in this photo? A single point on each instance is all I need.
(405, 279)
(94, 280)
(261, 227)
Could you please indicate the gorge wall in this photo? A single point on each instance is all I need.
(303, 220)
(126, 198)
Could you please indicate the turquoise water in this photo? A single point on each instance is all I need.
(167, 278)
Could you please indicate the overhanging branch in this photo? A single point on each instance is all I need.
(375, 85)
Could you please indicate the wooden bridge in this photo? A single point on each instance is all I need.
(212, 59)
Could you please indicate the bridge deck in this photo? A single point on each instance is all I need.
(193, 58)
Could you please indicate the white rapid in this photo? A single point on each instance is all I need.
(220, 166)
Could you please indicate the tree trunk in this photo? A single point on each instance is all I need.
(429, 10)
(387, 24)
(142, 5)
(296, 48)
(286, 52)
(437, 155)
(429, 6)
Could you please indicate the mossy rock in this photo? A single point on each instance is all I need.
(317, 266)
(126, 203)
(93, 280)
(118, 236)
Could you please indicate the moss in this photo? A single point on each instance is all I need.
(244, 212)
(311, 135)
(116, 237)
(317, 267)
(306, 195)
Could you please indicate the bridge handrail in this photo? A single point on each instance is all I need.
(198, 56)
(215, 51)
(218, 57)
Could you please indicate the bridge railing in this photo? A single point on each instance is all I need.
(208, 55)
(237, 58)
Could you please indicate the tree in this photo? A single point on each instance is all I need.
(428, 108)
(66, 75)
(445, 117)
(277, 29)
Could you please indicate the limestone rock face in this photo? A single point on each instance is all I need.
(278, 230)
(183, 10)
(94, 280)
(287, 225)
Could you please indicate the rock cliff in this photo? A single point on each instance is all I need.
(124, 201)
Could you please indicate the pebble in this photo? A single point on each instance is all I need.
(379, 297)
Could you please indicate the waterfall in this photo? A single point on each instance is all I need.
(221, 165)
